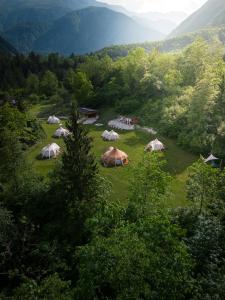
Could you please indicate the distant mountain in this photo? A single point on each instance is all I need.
(212, 13)
(173, 16)
(210, 35)
(162, 25)
(22, 22)
(6, 47)
(37, 25)
(163, 22)
(91, 29)
(14, 12)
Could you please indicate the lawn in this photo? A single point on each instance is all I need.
(133, 144)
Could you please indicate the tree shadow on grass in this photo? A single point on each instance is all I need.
(139, 138)
(60, 109)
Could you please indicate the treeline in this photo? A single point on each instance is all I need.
(181, 94)
(64, 239)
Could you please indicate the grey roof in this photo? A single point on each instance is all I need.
(87, 110)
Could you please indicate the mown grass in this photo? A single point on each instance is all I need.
(133, 144)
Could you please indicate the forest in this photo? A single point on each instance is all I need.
(182, 94)
(64, 238)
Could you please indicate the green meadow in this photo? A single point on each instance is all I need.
(133, 143)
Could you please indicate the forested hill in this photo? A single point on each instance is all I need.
(85, 25)
(6, 47)
(210, 14)
(91, 29)
(24, 21)
(211, 36)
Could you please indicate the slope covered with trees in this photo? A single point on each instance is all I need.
(83, 31)
(64, 239)
(181, 94)
(6, 47)
(210, 35)
(38, 25)
(212, 13)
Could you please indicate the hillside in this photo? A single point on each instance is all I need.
(22, 21)
(36, 25)
(210, 35)
(210, 14)
(6, 47)
(91, 29)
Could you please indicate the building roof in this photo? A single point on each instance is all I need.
(85, 110)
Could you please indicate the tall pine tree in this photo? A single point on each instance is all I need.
(77, 181)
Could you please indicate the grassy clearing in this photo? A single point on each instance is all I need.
(133, 144)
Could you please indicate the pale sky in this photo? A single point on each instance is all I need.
(187, 6)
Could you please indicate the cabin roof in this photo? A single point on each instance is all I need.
(85, 110)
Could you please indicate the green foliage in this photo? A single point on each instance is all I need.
(75, 187)
(158, 265)
(83, 89)
(49, 84)
(202, 184)
(50, 288)
(127, 105)
(32, 84)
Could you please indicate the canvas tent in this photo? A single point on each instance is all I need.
(61, 132)
(51, 150)
(53, 120)
(211, 158)
(214, 161)
(110, 135)
(114, 157)
(155, 145)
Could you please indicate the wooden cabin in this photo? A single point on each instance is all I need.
(88, 112)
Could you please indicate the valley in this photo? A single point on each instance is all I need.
(133, 143)
(87, 212)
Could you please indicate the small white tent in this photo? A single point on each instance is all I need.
(155, 145)
(51, 150)
(61, 132)
(211, 158)
(105, 134)
(110, 135)
(53, 120)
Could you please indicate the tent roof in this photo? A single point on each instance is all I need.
(155, 145)
(114, 153)
(110, 135)
(211, 158)
(53, 118)
(50, 147)
(61, 131)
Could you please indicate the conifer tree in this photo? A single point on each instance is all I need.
(78, 180)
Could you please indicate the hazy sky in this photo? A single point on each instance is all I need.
(187, 6)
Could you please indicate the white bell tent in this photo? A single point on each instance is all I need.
(61, 132)
(211, 158)
(51, 150)
(53, 120)
(105, 134)
(110, 135)
(155, 145)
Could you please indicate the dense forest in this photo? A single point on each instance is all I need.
(182, 94)
(63, 238)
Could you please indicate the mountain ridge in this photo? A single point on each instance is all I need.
(212, 13)
(82, 32)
